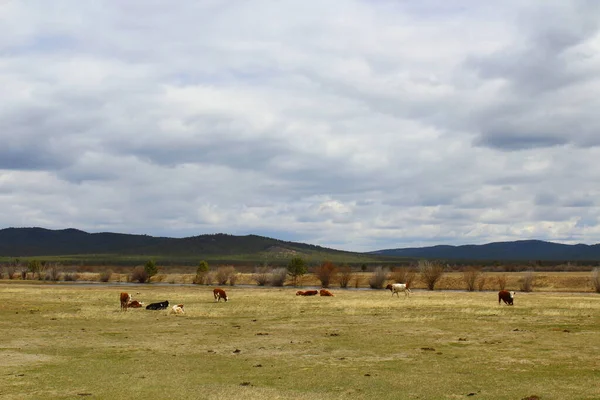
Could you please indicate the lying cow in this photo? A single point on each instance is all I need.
(135, 304)
(125, 299)
(307, 293)
(220, 294)
(397, 288)
(178, 309)
(158, 306)
(506, 297)
(324, 292)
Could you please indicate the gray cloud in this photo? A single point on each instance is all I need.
(359, 125)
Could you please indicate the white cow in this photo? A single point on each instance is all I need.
(177, 309)
(397, 288)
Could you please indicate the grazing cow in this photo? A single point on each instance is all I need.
(307, 293)
(324, 292)
(135, 304)
(397, 288)
(178, 309)
(125, 299)
(506, 297)
(158, 306)
(220, 294)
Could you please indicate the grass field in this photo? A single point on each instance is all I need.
(72, 341)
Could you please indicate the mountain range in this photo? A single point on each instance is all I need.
(29, 242)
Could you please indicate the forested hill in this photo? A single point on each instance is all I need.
(25, 242)
(517, 250)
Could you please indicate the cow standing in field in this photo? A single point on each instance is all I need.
(506, 297)
(397, 288)
(125, 299)
(220, 294)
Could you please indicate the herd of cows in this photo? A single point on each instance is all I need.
(127, 301)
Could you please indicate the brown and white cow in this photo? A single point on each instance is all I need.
(220, 294)
(135, 304)
(125, 299)
(307, 293)
(177, 309)
(397, 288)
(506, 297)
(324, 292)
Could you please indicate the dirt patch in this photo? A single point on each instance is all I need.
(16, 359)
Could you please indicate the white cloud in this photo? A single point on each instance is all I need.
(354, 124)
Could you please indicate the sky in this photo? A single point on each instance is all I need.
(355, 125)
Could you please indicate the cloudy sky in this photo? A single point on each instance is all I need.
(357, 125)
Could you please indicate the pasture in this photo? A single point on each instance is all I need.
(72, 341)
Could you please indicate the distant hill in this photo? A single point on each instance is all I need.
(28, 242)
(517, 250)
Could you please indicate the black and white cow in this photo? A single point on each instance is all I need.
(158, 306)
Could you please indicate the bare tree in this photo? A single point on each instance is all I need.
(431, 272)
(470, 275)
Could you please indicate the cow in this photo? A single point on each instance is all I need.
(397, 288)
(324, 292)
(177, 309)
(158, 306)
(506, 297)
(307, 293)
(220, 294)
(125, 299)
(135, 304)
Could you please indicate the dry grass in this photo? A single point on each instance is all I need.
(63, 340)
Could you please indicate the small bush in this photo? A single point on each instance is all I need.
(52, 273)
(10, 271)
(378, 278)
(262, 275)
(345, 276)
(526, 283)
(224, 273)
(233, 279)
(326, 273)
(278, 276)
(481, 282)
(296, 269)
(501, 281)
(596, 279)
(105, 275)
(139, 274)
(70, 276)
(470, 275)
(403, 275)
(151, 269)
(431, 272)
(201, 272)
(1, 272)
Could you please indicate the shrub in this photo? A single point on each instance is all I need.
(233, 279)
(596, 279)
(470, 275)
(526, 283)
(70, 276)
(261, 275)
(431, 272)
(151, 269)
(105, 275)
(501, 281)
(326, 273)
(52, 273)
(402, 275)
(296, 269)
(10, 271)
(345, 276)
(223, 274)
(481, 282)
(278, 276)
(201, 272)
(378, 278)
(1, 272)
(139, 274)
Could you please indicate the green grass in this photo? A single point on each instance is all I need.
(68, 341)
